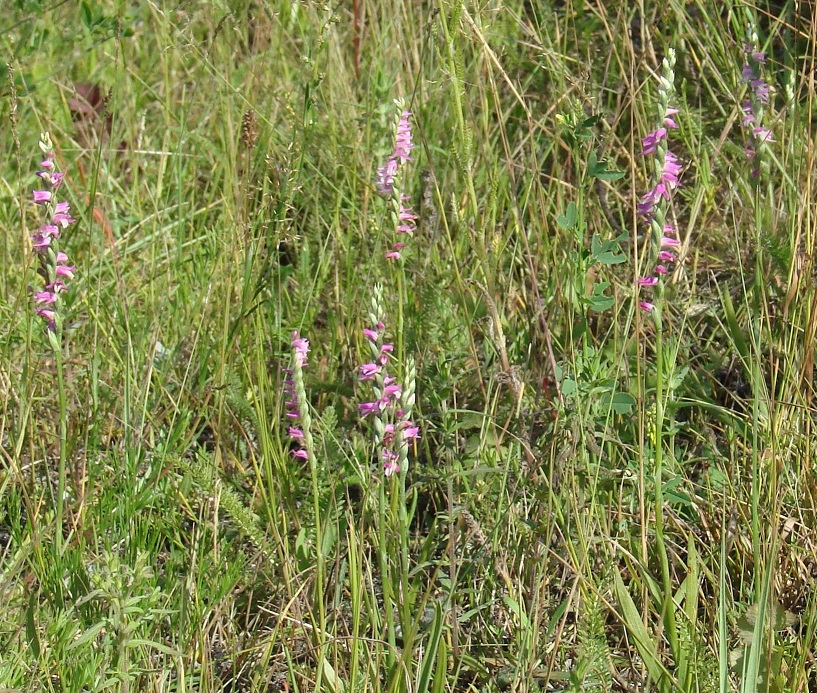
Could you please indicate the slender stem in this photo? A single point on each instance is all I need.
(61, 472)
(385, 574)
(668, 606)
(402, 529)
(309, 446)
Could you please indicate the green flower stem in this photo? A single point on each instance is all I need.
(56, 343)
(668, 606)
(309, 446)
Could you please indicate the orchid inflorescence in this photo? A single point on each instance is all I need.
(392, 404)
(653, 204)
(295, 402)
(752, 107)
(54, 265)
(387, 184)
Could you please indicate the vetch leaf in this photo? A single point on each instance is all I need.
(606, 252)
(598, 169)
(598, 301)
(568, 220)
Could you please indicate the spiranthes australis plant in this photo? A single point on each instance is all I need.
(754, 106)
(390, 410)
(653, 208)
(389, 185)
(300, 432)
(56, 274)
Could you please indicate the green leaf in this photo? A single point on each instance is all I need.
(606, 252)
(598, 169)
(644, 641)
(676, 497)
(85, 14)
(569, 387)
(568, 220)
(622, 402)
(598, 301)
(432, 649)
(591, 121)
(31, 625)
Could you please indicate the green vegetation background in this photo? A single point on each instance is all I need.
(220, 158)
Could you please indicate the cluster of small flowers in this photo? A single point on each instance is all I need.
(652, 205)
(386, 175)
(54, 263)
(392, 424)
(300, 349)
(668, 170)
(752, 108)
(403, 144)
(406, 223)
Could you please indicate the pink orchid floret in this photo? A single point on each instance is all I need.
(669, 121)
(367, 408)
(390, 464)
(368, 371)
(385, 351)
(300, 349)
(650, 142)
(45, 298)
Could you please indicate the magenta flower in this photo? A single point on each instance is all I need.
(54, 265)
(762, 134)
(752, 109)
(390, 463)
(292, 403)
(385, 177)
(403, 142)
(406, 218)
(300, 347)
(650, 142)
(654, 203)
(410, 431)
(370, 408)
(402, 215)
(369, 371)
(391, 401)
(45, 298)
(669, 121)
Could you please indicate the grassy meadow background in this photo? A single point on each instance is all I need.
(593, 504)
